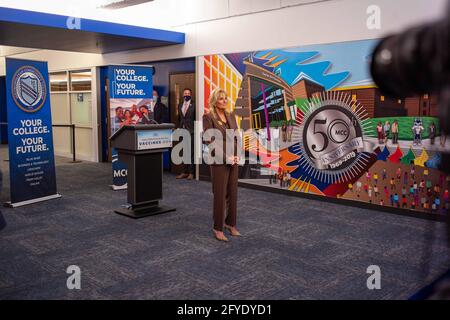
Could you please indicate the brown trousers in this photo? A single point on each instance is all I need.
(224, 183)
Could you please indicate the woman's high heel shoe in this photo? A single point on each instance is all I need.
(233, 231)
(220, 236)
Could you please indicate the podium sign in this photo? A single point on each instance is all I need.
(156, 139)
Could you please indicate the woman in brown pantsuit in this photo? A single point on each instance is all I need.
(224, 175)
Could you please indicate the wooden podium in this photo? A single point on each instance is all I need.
(141, 148)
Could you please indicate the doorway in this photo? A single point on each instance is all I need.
(177, 83)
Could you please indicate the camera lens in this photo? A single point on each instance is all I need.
(414, 62)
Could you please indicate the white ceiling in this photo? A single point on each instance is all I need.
(89, 9)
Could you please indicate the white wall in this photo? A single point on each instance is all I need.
(57, 60)
(320, 22)
(224, 26)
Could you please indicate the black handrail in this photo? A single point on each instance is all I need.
(74, 158)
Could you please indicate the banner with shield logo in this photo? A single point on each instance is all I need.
(32, 163)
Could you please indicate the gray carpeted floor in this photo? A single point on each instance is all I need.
(293, 248)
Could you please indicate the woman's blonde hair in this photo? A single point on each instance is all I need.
(214, 96)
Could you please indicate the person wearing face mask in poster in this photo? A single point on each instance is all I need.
(160, 110)
(186, 117)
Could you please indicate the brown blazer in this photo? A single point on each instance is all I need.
(212, 122)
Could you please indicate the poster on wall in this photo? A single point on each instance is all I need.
(316, 123)
(130, 102)
(31, 157)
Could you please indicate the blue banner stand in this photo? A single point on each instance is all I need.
(30, 138)
(131, 84)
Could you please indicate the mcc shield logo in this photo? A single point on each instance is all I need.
(29, 89)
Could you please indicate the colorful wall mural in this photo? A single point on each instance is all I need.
(317, 124)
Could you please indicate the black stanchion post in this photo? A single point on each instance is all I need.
(72, 127)
(74, 158)
(73, 143)
(2, 222)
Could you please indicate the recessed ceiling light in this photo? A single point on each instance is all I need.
(119, 4)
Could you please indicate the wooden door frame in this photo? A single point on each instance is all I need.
(183, 72)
